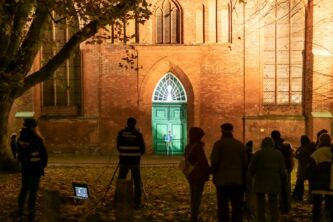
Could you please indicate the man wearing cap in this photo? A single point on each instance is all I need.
(33, 157)
(131, 146)
(228, 166)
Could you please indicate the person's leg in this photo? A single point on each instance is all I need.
(196, 194)
(329, 207)
(260, 209)
(135, 169)
(285, 195)
(273, 207)
(299, 190)
(222, 203)
(236, 197)
(316, 207)
(33, 189)
(123, 170)
(23, 193)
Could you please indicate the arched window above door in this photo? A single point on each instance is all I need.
(169, 89)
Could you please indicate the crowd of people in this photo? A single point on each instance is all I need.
(246, 182)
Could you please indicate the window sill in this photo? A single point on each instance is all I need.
(60, 111)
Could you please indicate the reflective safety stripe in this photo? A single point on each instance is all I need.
(23, 143)
(35, 159)
(34, 153)
(130, 154)
(323, 192)
(129, 147)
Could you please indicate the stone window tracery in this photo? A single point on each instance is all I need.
(168, 22)
(169, 89)
(62, 93)
(282, 58)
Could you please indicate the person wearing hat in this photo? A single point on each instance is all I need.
(228, 166)
(33, 158)
(195, 154)
(320, 175)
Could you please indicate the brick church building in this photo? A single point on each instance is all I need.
(260, 65)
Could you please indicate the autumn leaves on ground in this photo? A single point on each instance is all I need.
(165, 196)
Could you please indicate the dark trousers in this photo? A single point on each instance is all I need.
(272, 206)
(196, 194)
(29, 186)
(285, 194)
(135, 171)
(234, 194)
(317, 200)
(299, 190)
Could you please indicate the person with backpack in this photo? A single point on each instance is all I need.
(33, 158)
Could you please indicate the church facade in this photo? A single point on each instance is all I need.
(261, 65)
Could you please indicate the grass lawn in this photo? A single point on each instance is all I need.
(166, 196)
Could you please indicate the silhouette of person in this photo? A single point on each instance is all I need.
(33, 158)
(228, 166)
(131, 147)
(287, 152)
(249, 197)
(168, 140)
(320, 177)
(194, 153)
(267, 163)
(302, 154)
(13, 144)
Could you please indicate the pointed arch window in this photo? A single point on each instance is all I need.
(168, 22)
(61, 95)
(169, 89)
(283, 59)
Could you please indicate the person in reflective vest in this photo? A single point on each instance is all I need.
(33, 158)
(131, 146)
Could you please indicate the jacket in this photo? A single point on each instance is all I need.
(303, 154)
(319, 169)
(31, 153)
(196, 156)
(130, 145)
(228, 161)
(267, 170)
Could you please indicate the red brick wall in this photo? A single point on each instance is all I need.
(223, 82)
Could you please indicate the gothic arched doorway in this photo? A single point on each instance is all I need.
(169, 116)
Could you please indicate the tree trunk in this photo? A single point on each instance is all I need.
(7, 161)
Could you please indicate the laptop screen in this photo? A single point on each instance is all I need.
(80, 190)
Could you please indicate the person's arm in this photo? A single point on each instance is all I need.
(253, 165)
(142, 144)
(43, 154)
(214, 159)
(118, 140)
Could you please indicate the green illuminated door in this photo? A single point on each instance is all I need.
(173, 118)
